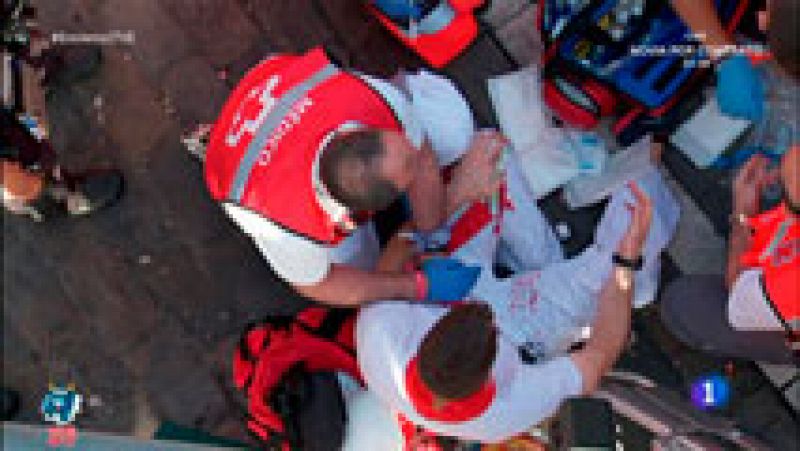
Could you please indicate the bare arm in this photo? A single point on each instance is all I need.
(612, 323)
(747, 188)
(427, 192)
(701, 17)
(477, 176)
(609, 331)
(348, 286)
(738, 244)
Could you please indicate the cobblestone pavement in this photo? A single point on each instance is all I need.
(140, 304)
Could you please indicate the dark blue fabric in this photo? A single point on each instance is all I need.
(400, 9)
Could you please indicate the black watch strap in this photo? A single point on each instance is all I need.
(634, 264)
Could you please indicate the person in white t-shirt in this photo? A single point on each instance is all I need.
(471, 370)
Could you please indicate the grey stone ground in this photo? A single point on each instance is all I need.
(140, 304)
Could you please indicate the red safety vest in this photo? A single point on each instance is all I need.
(776, 250)
(440, 35)
(263, 147)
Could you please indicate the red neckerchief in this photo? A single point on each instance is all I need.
(452, 412)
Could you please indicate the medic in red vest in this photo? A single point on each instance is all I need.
(776, 250)
(438, 32)
(263, 148)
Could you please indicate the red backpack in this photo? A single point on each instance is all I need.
(275, 361)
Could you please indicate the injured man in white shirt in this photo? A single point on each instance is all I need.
(492, 366)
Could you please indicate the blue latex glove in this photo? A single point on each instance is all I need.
(448, 279)
(740, 91)
(399, 9)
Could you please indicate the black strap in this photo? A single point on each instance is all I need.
(242, 346)
(269, 322)
(330, 328)
(332, 324)
(275, 440)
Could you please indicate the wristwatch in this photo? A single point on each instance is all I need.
(634, 264)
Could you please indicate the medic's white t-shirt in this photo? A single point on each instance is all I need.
(388, 335)
(748, 308)
(300, 261)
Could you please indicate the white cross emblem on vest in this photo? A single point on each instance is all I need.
(267, 102)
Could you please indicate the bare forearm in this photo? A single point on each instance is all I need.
(349, 286)
(611, 327)
(738, 245)
(428, 204)
(609, 330)
(701, 17)
(427, 192)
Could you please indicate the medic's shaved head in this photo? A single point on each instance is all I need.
(351, 168)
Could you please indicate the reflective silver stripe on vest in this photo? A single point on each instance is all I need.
(433, 22)
(273, 120)
(783, 229)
